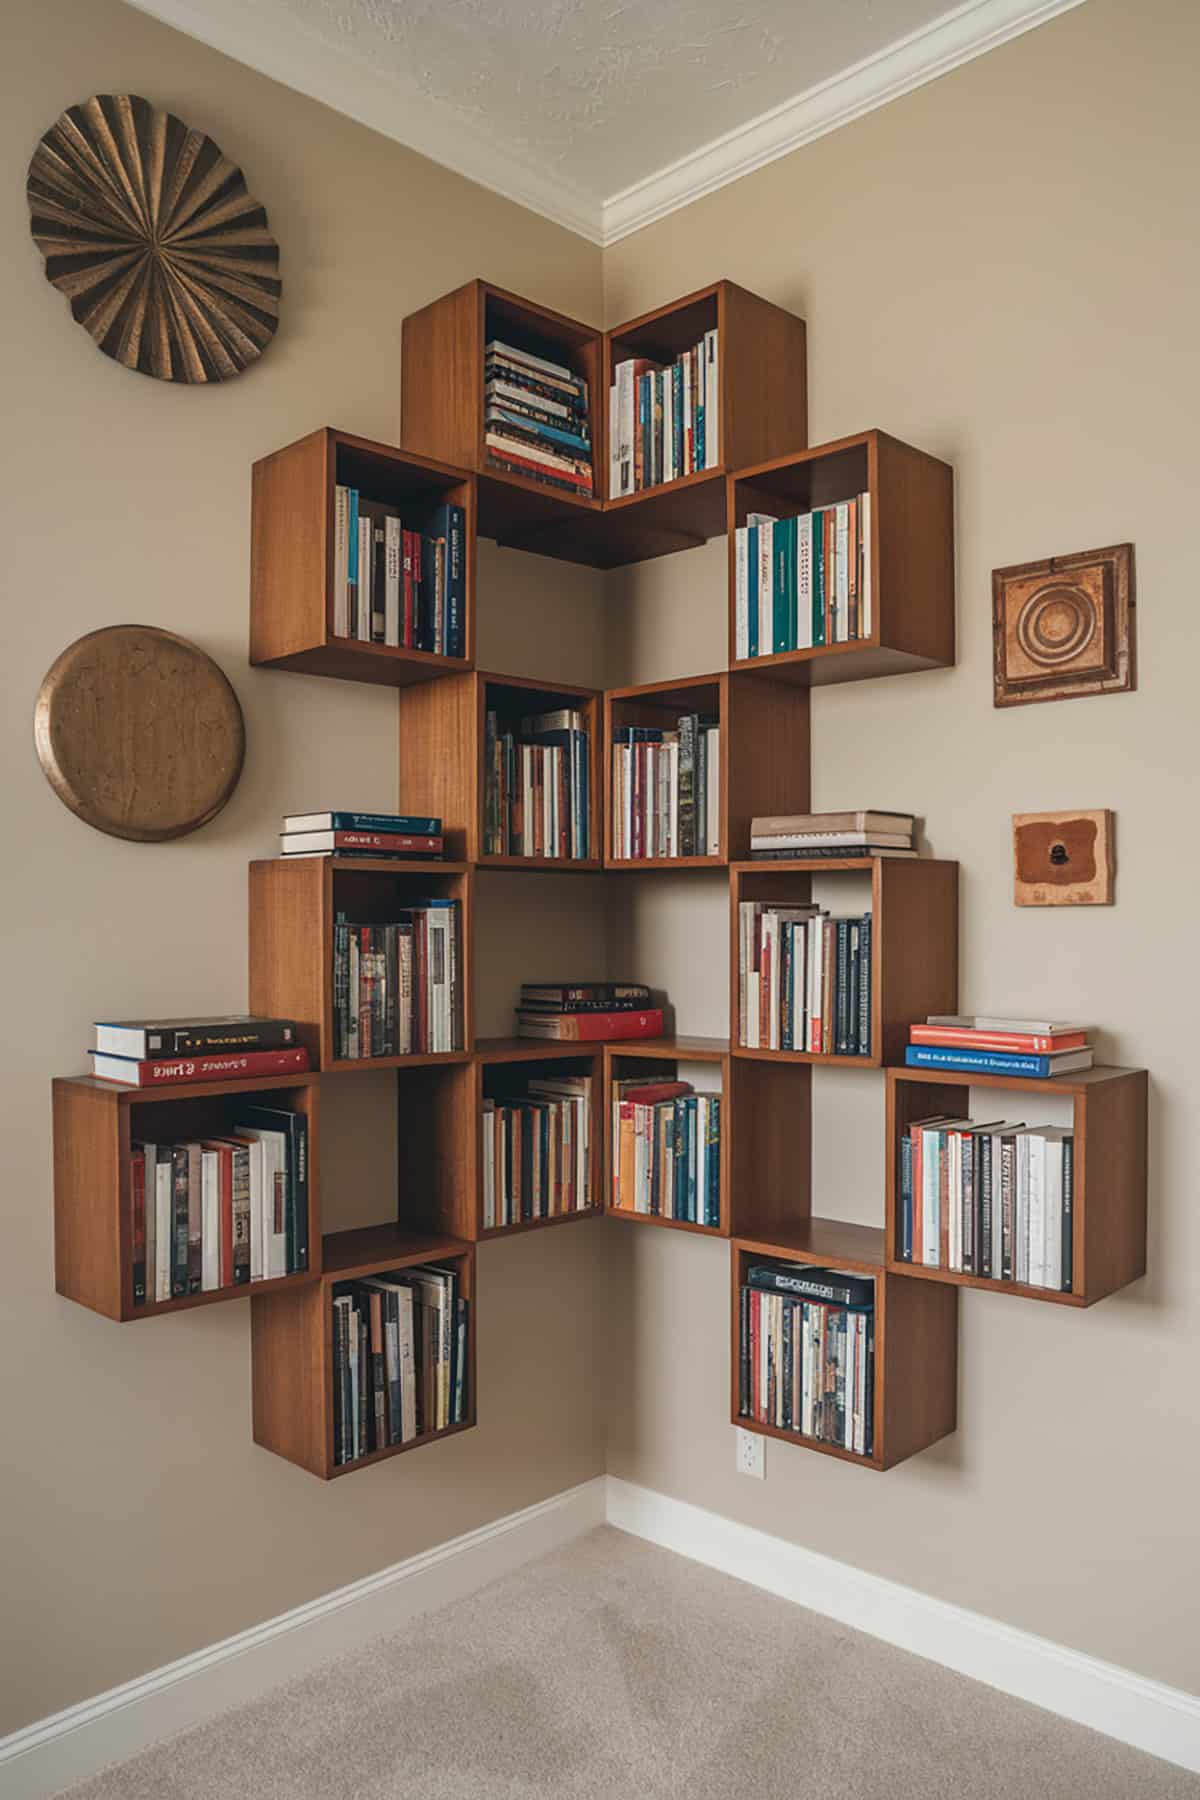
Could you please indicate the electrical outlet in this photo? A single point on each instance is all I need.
(750, 1457)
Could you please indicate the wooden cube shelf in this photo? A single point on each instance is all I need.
(914, 942)
(502, 1068)
(443, 755)
(95, 1123)
(764, 764)
(1109, 1121)
(658, 1059)
(291, 1346)
(292, 554)
(294, 903)
(911, 552)
(916, 1343)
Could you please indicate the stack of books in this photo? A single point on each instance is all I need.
(667, 1151)
(537, 785)
(147, 1053)
(389, 836)
(803, 583)
(807, 1353)
(587, 1011)
(666, 790)
(663, 422)
(399, 1359)
(396, 983)
(995, 1046)
(536, 420)
(221, 1211)
(804, 980)
(832, 836)
(537, 1152)
(994, 1200)
(396, 586)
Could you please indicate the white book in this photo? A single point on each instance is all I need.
(525, 358)
(1036, 1275)
(1021, 1209)
(258, 1254)
(365, 571)
(931, 1222)
(408, 1364)
(741, 589)
(712, 828)
(392, 583)
(841, 545)
(766, 585)
(614, 458)
(341, 561)
(164, 1225)
(669, 471)
(498, 389)
(770, 967)
(274, 1201)
(689, 417)
(210, 1221)
(864, 526)
(672, 809)
(954, 1196)
(626, 405)
(851, 1375)
(712, 388)
(1053, 1138)
(489, 1164)
(804, 631)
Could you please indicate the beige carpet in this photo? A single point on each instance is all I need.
(615, 1671)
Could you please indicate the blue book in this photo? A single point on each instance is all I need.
(752, 588)
(994, 1062)
(352, 541)
(677, 414)
(570, 440)
(449, 522)
(818, 579)
(906, 1197)
(712, 1202)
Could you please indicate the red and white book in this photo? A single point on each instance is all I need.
(972, 1037)
(591, 1027)
(386, 843)
(179, 1071)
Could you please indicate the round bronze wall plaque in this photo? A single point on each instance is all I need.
(139, 733)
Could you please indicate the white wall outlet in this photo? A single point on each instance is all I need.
(750, 1458)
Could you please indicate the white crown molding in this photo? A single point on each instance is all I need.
(958, 36)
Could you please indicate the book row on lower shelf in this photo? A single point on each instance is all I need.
(397, 983)
(803, 583)
(537, 786)
(399, 1359)
(666, 789)
(537, 1152)
(804, 980)
(663, 422)
(666, 1151)
(806, 1358)
(395, 586)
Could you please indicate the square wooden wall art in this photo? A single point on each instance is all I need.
(1063, 859)
(1064, 627)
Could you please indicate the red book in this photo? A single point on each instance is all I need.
(390, 843)
(530, 465)
(653, 1092)
(592, 1026)
(225, 1180)
(956, 1036)
(178, 1071)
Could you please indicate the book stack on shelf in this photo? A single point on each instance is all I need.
(536, 419)
(803, 583)
(807, 1353)
(833, 836)
(804, 980)
(995, 1200)
(153, 1053)
(220, 1212)
(587, 1011)
(387, 836)
(537, 799)
(399, 1359)
(666, 1151)
(537, 1152)
(1030, 1049)
(396, 586)
(666, 790)
(663, 421)
(396, 982)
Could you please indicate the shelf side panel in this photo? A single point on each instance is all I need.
(292, 1399)
(914, 504)
(916, 1366)
(915, 948)
(764, 379)
(440, 758)
(287, 948)
(1111, 1179)
(441, 378)
(290, 503)
(91, 1231)
(769, 1131)
(765, 755)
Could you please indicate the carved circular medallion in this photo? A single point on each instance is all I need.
(139, 733)
(1056, 623)
(148, 230)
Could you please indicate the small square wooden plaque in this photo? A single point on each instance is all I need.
(1064, 627)
(1063, 859)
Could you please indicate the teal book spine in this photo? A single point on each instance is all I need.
(818, 579)
(752, 588)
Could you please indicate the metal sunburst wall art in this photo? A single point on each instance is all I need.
(149, 231)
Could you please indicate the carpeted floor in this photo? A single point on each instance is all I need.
(616, 1671)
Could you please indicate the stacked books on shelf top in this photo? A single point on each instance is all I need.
(537, 786)
(151, 1053)
(399, 1359)
(806, 1359)
(666, 1151)
(537, 1151)
(666, 790)
(988, 1045)
(804, 980)
(833, 836)
(803, 583)
(663, 422)
(393, 585)
(587, 1011)
(536, 419)
(396, 837)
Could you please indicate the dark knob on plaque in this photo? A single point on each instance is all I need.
(1058, 854)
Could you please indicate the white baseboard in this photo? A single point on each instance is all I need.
(1162, 1720)
(45, 1757)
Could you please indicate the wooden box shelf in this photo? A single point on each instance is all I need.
(291, 1340)
(292, 553)
(443, 756)
(916, 1340)
(914, 968)
(1109, 1121)
(764, 760)
(294, 902)
(911, 552)
(95, 1123)
(658, 1059)
(502, 1067)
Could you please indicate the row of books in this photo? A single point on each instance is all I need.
(537, 1152)
(399, 1359)
(988, 1045)
(994, 1200)
(587, 1011)
(664, 422)
(147, 1053)
(222, 1211)
(832, 837)
(804, 980)
(395, 586)
(396, 983)
(391, 837)
(536, 418)
(667, 1150)
(807, 1353)
(666, 789)
(537, 786)
(804, 582)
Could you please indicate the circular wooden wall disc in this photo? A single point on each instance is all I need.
(139, 733)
